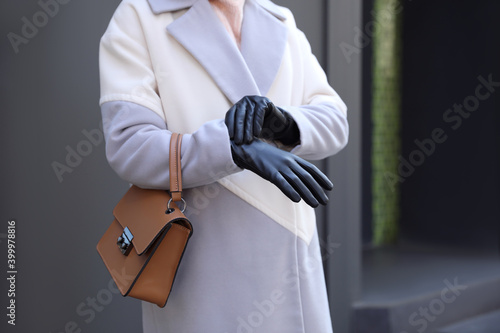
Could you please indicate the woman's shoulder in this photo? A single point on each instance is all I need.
(131, 13)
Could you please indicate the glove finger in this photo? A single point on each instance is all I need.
(278, 114)
(299, 186)
(274, 121)
(286, 187)
(313, 186)
(251, 109)
(319, 176)
(240, 118)
(262, 109)
(229, 120)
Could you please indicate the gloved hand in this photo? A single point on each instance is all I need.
(295, 177)
(257, 116)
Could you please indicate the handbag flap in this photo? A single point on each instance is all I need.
(144, 213)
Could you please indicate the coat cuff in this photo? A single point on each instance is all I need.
(323, 130)
(207, 153)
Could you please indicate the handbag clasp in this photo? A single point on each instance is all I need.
(125, 241)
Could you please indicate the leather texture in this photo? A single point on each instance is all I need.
(160, 235)
(274, 128)
(174, 164)
(257, 116)
(294, 176)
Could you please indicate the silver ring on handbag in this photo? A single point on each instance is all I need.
(184, 205)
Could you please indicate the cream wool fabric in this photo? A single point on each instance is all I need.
(138, 66)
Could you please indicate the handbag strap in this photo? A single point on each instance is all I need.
(175, 167)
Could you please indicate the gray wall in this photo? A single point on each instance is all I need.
(50, 110)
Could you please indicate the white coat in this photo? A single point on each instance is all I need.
(254, 262)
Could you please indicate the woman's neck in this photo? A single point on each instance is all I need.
(230, 13)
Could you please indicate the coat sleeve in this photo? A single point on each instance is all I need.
(322, 119)
(136, 134)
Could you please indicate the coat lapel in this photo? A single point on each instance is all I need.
(204, 36)
(250, 71)
(162, 6)
(262, 51)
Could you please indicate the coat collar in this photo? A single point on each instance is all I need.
(250, 71)
(162, 6)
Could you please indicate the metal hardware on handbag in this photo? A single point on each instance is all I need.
(170, 210)
(125, 241)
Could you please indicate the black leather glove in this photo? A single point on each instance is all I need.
(295, 177)
(257, 116)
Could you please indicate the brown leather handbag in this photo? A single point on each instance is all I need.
(143, 247)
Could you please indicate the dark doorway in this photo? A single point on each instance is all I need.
(451, 127)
